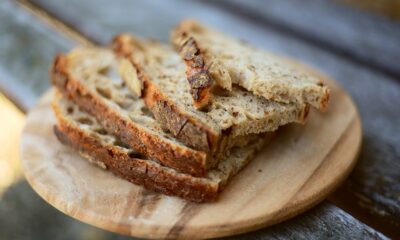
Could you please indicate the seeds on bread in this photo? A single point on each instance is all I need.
(229, 61)
(165, 91)
(89, 78)
(85, 134)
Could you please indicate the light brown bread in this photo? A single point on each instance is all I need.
(85, 134)
(229, 61)
(232, 114)
(89, 77)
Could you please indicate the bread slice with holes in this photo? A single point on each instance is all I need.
(157, 74)
(225, 61)
(89, 77)
(97, 145)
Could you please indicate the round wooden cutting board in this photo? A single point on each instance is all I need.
(294, 172)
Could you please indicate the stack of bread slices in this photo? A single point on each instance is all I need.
(182, 119)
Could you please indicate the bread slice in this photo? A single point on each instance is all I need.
(89, 77)
(84, 133)
(159, 72)
(228, 61)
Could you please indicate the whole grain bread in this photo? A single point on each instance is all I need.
(161, 81)
(229, 61)
(89, 77)
(85, 134)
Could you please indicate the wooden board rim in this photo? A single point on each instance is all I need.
(217, 231)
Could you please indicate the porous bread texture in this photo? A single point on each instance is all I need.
(230, 61)
(165, 91)
(89, 77)
(84, 133)
(244, 113)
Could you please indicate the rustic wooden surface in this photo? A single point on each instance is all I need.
(296, 171)
(389, 8)
(374, 186)
(32, 218)
(340, 30)
(337, 225)
(25, 77)
(371, 193)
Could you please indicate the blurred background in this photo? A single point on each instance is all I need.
(356, 42)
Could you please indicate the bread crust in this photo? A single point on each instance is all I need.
(138, 171)
(191, 37)
(85, 134)
(179, 123)
(196, 73)
(176, 156)
(195, 133)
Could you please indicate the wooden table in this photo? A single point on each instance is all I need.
(360, 50)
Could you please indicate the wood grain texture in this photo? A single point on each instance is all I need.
(26, 50)
(338, 225)
(374, 185)
(342, 29)
(387, 8)
(29, 217)
(295, 172)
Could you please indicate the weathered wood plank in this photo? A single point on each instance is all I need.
(29, 217)
(26, 50)
(274, 186)
(316, 226)
(26, 216)
(364, 37)
(388, 8)
(375, 181)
